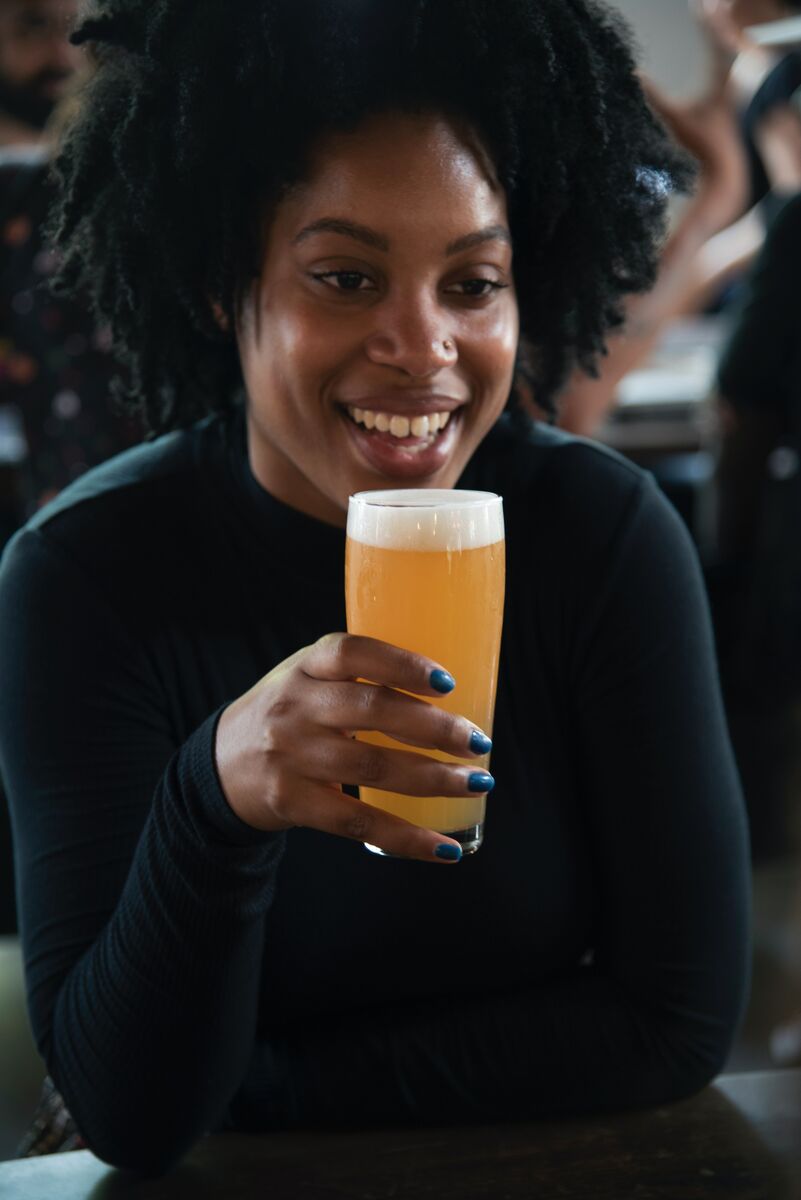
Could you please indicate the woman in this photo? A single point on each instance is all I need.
(317, 207)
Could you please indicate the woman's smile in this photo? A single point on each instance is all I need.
(404, 445)
(378, 345)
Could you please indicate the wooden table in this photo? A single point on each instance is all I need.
(740, 1139)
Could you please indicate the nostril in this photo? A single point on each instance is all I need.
(412, 348)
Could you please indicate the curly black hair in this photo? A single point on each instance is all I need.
(202, 113)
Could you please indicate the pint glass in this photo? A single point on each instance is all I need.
(425, 570)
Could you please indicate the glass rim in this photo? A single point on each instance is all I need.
(424, 498)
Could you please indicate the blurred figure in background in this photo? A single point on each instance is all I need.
(55, 368)
(740, 189)
(755, 582)
(759, 488)
(762, 80)
(746, 137)
(36, 64)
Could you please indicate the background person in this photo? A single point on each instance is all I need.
(37, 63)
(755, 577)
(56, 366)
(207, 942)
(741, 187)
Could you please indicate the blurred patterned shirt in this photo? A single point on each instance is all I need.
(55, 364)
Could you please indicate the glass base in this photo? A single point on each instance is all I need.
(469, 839)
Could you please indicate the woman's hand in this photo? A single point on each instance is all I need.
(286, 747)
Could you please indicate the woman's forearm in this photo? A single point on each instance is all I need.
(152, 1028)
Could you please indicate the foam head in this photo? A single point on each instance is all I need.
(426, 519)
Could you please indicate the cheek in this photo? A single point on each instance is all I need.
(14, 65)
(495, 350)
(33, 60)
(288, 368)
(300, 345)
(272, 347)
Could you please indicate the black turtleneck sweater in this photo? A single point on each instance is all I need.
(187, 973)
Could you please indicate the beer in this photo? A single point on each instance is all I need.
(424, 569)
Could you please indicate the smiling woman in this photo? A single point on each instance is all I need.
(404, 313)
(333, 243)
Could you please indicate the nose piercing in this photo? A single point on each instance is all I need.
(447, 345)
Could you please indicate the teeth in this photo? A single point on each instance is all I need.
(400, 427)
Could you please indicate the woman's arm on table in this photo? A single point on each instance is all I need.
(141, 895)
(653, 1017)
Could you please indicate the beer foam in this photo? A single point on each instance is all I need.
(426, 519)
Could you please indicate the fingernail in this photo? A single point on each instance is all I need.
(480, 781)
(448, 851)
(441, 681)
(479, 742)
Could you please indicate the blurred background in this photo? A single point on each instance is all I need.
(702, 387)
(672, 51)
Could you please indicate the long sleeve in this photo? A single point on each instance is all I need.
(592, 955)
(652, 1016)
(142, 896)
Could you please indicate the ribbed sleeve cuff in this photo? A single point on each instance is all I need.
(221, 825)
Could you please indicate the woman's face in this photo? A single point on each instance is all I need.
(378, 345)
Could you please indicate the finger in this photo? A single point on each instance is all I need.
(332, 811)
(362, 764)
(342, 656)
(367, 707)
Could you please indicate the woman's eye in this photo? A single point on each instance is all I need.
(478, 288)
(345, 281)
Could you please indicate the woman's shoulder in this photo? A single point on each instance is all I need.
(576, 511)
(559, 478)
(131, 480)
(141, 508)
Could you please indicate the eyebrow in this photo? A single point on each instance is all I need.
(361, 233)
(492, 233)
(378, 241)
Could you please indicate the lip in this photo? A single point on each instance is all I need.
(403, 404)
(390, 458)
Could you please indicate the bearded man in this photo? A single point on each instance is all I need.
(36, 64)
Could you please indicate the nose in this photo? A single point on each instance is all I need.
(411, 335)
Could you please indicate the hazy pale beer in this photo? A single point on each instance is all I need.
(425, 570)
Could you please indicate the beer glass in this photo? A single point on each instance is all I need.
(425, 570)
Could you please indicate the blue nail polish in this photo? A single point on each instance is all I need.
(449, 852)
(480, 743)
(481, 781)
(441, 681)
